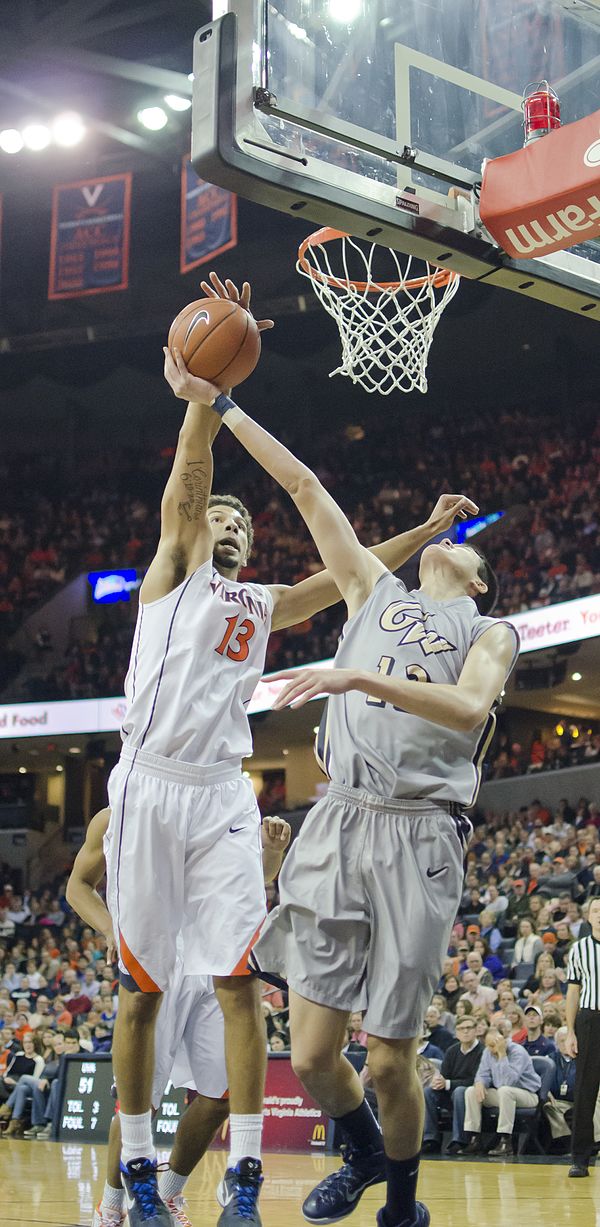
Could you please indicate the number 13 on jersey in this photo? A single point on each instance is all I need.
(234, 644)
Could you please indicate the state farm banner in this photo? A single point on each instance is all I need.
(545, 197)
(89, 246)
(208, 219)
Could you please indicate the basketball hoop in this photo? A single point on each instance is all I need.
(386, 326)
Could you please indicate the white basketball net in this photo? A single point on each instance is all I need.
(386, 327)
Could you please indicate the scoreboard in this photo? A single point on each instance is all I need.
(87, 1106)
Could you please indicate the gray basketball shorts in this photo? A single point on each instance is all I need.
(369, 894)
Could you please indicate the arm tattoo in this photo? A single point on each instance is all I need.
(196, 483)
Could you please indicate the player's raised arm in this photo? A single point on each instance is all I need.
(354, 570)
(185, 535)
(88, 870)
(294, 603)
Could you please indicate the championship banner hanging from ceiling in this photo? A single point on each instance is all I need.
(89, 250)
(208, 219)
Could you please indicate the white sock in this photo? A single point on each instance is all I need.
(136, 1137)
(113, 1199)
(245, 1134)
(170, 1184)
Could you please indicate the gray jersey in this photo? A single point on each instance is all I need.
(366, 743)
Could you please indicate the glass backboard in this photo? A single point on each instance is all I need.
(444, 77)
(362, 114)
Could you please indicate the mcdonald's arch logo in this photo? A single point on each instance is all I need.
(318, 1135)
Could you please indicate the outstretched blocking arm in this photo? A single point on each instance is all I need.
(295, 603)
(185, 534)
(462, 706)
(87, 872)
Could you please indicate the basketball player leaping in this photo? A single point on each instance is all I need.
(371, 888)
(188, 1039)
(182, 848)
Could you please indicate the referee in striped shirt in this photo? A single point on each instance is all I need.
(583, 1037)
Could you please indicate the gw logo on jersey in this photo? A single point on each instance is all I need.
(408, 618)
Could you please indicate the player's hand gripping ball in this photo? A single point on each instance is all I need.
(217, 337)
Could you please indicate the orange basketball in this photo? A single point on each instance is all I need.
(218, 340)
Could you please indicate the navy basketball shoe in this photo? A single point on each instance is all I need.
(144, 1204)
(238, 1194)
(338, 1194)
(422, 1218)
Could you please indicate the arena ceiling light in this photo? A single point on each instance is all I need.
(36, 137)
(177, 103)
(345, 11)
(11, 141)
(576, 677)
(153, 118)
(68, 129)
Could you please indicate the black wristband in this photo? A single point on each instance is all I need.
(222, 404)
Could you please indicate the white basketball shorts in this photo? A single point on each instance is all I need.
(189, 1039)
(183, 855)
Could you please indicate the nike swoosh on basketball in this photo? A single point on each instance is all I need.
(434, 873)
(234, 829)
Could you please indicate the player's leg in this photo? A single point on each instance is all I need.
(144, 851)
(246, 1061)
(412, 915)
(195, 1132)
(393, 1067)
(319, 938)
(318, 1034)
(133, 1065)
(199, 1058)
(111, 1210)
(225, 902)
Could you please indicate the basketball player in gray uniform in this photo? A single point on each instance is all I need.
(371, 887)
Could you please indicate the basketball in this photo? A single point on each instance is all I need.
(218, 340)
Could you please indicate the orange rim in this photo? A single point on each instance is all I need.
(441, 276)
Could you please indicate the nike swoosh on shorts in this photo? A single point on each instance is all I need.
(434, 873)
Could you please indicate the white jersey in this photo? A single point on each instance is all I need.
(197, 656)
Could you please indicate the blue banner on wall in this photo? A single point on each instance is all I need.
(89, 251)
(111, 586)
(469, 528)
(208, 219)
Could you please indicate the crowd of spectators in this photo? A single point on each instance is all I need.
(499, 1005)
(539, 468)
(58, 995)
(530, 877)
(92, 667)
(570, 744)
(492, 1055)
